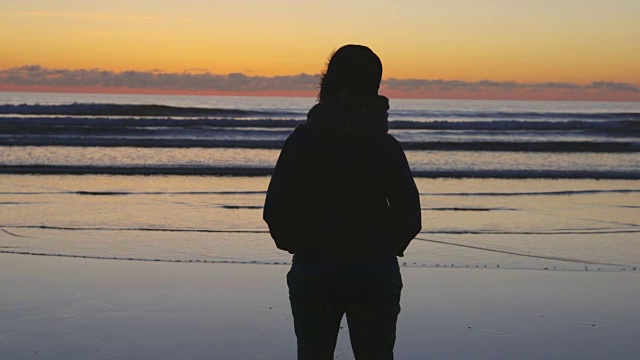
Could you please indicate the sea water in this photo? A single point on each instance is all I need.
(509, 184)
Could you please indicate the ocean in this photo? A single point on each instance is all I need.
(504, 184)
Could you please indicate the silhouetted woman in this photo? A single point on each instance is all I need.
(343, 201)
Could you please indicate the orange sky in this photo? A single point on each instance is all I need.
(542, 41)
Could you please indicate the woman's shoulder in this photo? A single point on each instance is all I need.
(391, 142)
(298, 136)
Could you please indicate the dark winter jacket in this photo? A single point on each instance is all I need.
(342, 188)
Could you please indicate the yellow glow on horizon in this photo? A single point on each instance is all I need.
(525, 41)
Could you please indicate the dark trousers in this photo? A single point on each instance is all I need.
(320, 299)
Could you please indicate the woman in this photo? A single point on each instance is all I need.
(343, 201)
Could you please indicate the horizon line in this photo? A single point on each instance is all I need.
(160, 92)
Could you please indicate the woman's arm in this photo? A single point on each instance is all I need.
(279, 208)
(404, 200)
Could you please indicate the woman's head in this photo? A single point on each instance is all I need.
(354, 70)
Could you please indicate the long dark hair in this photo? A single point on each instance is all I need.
(354, 70)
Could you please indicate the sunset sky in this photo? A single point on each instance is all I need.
(587, 49)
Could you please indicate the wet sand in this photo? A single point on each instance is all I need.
(67, 308)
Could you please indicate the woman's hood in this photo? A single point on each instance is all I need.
(350, 115)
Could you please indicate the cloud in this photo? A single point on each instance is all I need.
(191, 80)
(614, 86)
(459, 85)
(197, 79)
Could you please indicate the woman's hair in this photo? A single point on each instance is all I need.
(354, 70)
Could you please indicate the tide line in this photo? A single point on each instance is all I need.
(545, 257)
(233, 231)
(628, 174)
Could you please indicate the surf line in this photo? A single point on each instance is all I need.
(545, 257)
(12, 234)
(121, 258)
(46, 227)
(231, 231)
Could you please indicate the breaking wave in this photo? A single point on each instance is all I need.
(630, 174)
(94, 109)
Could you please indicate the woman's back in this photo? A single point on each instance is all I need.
(347, 184)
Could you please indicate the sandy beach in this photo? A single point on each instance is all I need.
(63, 308)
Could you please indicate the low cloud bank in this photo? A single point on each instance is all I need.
(198, 81)
(35, 75)
(457, 85)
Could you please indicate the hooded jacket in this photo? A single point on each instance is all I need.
(342, 189)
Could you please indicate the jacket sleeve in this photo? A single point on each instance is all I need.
(404, 201)
(280, 204)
